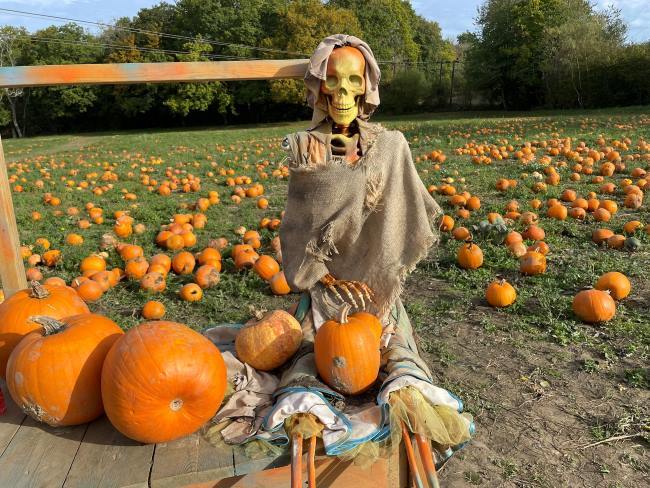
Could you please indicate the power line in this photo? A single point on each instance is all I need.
(206, 40)
(48, 40)
(145, 31)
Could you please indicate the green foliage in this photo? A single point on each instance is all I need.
(556, 53)
(406, 92)
(185, 97)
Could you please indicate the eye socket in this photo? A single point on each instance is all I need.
(356, 80)
(331, 82)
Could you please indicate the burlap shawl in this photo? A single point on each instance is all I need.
(317, 72)
(370, 222)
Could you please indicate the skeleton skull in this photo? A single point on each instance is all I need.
(345, 84)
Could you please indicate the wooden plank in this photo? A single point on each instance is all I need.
(246, 465)
(11, 421)
(120, 73)
(39, 456)
(107, 459)
(330, 473)
(12, 269)
(190, 460)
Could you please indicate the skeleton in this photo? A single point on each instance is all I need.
(343, 90)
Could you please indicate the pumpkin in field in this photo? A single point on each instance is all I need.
(191, 292)
(183, 263)
(279, 285)
(207, 276)
(161, 381)
(266, 267)
(15, 312)
(616, 283)
(500, 294)
(153, 310)
(594, 306)
(346, 352)
(532, 263)
(54, 374)
(470, 256)
(269, 341)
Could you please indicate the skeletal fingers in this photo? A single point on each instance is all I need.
(343, 285)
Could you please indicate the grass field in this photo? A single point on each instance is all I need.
(541, 384)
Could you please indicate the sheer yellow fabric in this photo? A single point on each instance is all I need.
(440, 423)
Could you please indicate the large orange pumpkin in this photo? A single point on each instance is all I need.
(54, 374)
(594, 306)
(269, 341)
(55, 301)
(162, 381)
(346, 352)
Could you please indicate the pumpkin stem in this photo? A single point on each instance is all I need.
(343, 313)
(50, 326)
(37, 290)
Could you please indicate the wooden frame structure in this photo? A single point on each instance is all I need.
(12, 269)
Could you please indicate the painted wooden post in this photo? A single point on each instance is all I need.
(121, 73)
(12, 269)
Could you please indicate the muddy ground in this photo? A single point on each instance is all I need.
(540, 408)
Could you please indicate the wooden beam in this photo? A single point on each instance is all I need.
(122, 73)
(12, 269)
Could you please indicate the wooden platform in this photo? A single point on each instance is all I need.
(33, 455)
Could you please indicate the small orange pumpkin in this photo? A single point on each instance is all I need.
(207, 276)
(470, 256)
(616, 283)
(346, 352)
(153, 310)
(532, 263)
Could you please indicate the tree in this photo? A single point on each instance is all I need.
(388, 27)
(13, 42)
(304, 24)
(186, 97)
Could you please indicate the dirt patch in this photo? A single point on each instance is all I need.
(536, 405)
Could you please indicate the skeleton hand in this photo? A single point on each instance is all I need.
(359, 289)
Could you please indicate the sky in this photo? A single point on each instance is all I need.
(454, 16)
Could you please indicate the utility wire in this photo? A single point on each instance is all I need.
(206, 40)
(122, 47)
(145, 31)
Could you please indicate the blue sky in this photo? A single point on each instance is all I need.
(453, 16)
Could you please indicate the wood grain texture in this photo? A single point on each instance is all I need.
(10, 422)
(121, 73)
(330, 473)
(40, 456)
(191, 459)
(107, 459)
(12, 269)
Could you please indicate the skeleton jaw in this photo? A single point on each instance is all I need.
(342, 112)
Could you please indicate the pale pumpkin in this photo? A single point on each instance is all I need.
(54, 374)
(162, 381)
(15, 312)
(269, 341)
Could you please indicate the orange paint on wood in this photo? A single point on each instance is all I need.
(122, 73)
(12, 269)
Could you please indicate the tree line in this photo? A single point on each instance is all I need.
(524, 54)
